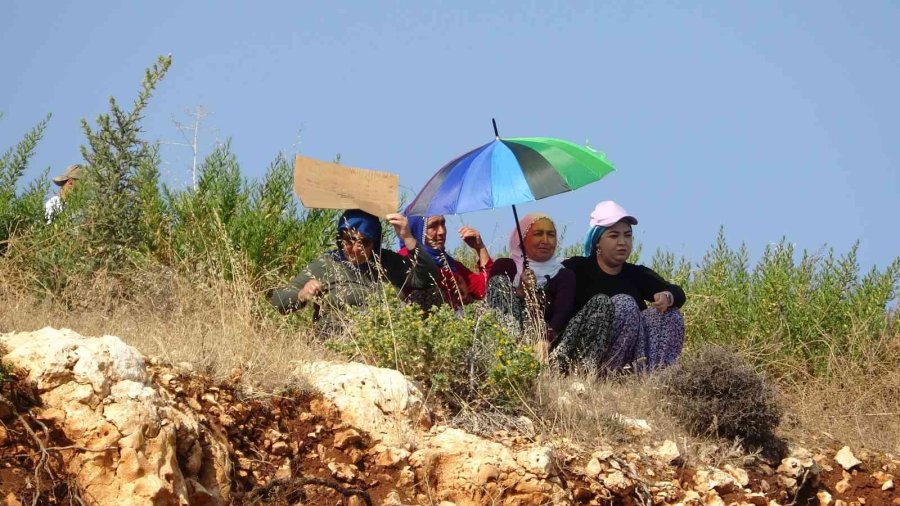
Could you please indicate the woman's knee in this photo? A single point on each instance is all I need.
(599, 300)
(625, 303)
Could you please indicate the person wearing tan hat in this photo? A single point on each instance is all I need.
(66, 181)
(614, 326)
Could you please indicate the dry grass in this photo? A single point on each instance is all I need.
(859, 405)
(214, 326)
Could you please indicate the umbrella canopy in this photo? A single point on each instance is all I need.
(508, 172)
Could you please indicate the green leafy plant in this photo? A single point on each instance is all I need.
(120, 185)
(21, 210)
(464, 359)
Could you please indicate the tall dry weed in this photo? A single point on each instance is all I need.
(211, 326)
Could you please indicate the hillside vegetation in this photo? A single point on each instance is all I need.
(182, 274)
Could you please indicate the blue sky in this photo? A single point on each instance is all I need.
(770, 118)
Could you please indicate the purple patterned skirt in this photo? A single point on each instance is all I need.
(611, 333)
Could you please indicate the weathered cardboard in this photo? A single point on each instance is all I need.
(325, 185)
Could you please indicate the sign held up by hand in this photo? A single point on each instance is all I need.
(325, 185)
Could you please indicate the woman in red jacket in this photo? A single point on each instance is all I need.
(458, 285)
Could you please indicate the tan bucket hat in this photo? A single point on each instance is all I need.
(72, 172)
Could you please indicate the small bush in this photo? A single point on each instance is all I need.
(21, 209)
(466, 359)
(713, 392)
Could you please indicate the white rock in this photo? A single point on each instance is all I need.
(709, 479)
(577, 388)
(713, 499)
(824, 498)
(538, 460)
(887, 485)
(846, 459)
(633, 426)
(790, 466)
(468, 470)
(842, 486)
(379, 401)
(98, 394)
(667, 451)
(617, 482)
(740, 476)
(594, 467)
(387, 456)
(392, 499)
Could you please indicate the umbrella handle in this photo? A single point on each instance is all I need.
(521, 239)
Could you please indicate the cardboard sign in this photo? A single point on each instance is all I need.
(324, 185)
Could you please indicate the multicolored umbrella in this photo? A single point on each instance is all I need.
(508, 172)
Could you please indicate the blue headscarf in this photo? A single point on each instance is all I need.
(590, 240)
(366, 224)
(440, 256)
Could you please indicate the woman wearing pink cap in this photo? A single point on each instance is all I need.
(511, 279)
(613, 325)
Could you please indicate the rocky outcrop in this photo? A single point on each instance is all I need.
(465, 469)
(379, 401)
(135, 433)
(129, 446)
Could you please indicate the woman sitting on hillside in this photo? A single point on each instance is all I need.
(612, 326)
(457, 284)
(543, 280)
(347, 275)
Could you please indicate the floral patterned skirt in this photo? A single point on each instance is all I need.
(612, 333)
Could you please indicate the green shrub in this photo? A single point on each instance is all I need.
(791, 313)
(259, 220)
(714, 392)
(466, 359)
(122, 176)
(19, 211)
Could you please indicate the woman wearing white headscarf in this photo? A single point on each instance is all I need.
(513, 279)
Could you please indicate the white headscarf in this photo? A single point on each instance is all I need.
(543, 270)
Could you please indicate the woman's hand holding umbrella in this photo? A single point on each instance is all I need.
(528, 283)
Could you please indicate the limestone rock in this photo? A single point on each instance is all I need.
(713, 479)
(791, 467)
(347, 438)
(846, 459)
(381, 402)
(740, 476)
(634, 426)
(469, 470)
(667, 451)
(389, 456)
(538, 460)
(96, 390)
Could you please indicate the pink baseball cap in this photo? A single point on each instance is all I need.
(608, 213)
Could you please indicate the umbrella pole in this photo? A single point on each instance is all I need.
(521, 238)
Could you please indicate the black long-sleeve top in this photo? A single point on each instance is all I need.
(640, 282)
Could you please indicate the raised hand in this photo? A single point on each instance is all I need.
(471, 237)
(401, 228)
